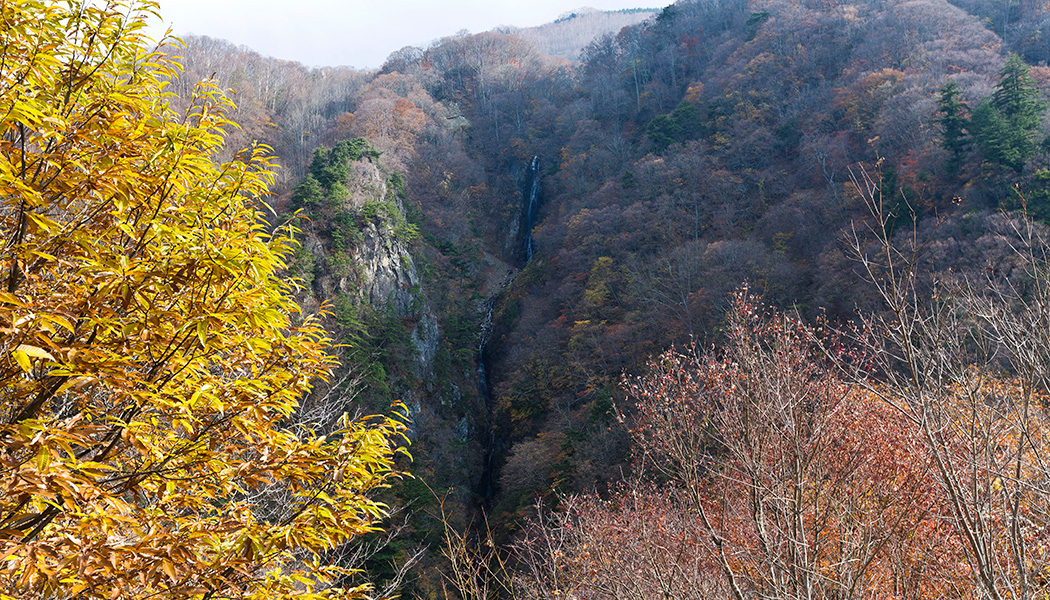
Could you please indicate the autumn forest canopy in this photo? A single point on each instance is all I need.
(744, 299)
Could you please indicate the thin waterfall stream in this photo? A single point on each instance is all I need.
(485, 488)
(531, 205)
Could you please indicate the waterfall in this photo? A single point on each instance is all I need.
(530, 212)
(486, 331)
(485, 487)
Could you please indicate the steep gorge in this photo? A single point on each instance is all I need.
(711, 145)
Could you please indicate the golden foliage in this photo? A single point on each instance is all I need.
(149, 370)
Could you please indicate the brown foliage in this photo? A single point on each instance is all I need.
(771, 478)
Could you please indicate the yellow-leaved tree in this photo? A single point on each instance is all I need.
(150, 374)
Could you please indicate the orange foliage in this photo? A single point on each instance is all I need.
(780, 481)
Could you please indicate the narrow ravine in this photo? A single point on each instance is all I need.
(485, 487)
(530, 204)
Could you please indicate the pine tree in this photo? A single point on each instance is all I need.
(1006, 125)
(1016, 95)
(953, 121)
(308, 192)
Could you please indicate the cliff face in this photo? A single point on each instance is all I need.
(364, 261)
(385, 275)
(390, 277)
(413, 310)
(358, 247)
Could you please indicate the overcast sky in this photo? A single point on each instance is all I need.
(359, 33)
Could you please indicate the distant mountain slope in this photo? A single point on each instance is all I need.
(570, 33)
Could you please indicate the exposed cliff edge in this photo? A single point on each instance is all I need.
(400, 317)
(357, 262)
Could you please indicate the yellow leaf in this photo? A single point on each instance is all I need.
(33, 351)
(169, 569)
(22, 359)
(43, 223)
(60, 321)
(43, 459)
(144, 245)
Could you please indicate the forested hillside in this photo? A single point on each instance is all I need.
(751, 293)
(570, 33)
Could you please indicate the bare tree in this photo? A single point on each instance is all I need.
(966, 361)
(760, 475)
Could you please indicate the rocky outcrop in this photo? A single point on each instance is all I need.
(455, 122)
(383, 272)
(390, 276)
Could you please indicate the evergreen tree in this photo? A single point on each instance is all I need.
(308, 192)
(1016, 95)
(1035, 198)
(318, 164)
(953, 121)
(1006, 125)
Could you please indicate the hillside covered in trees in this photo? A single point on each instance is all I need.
(748, 299)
